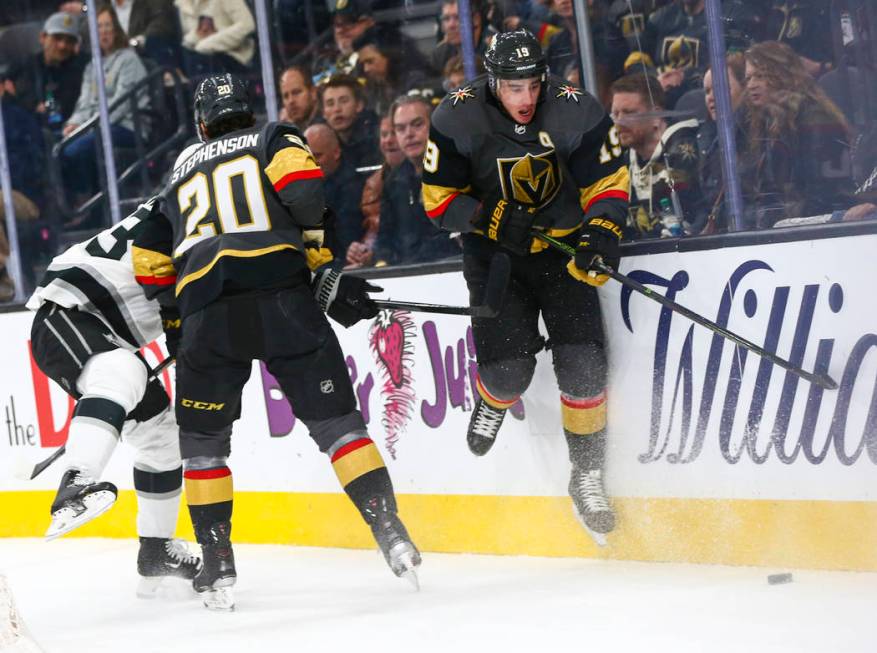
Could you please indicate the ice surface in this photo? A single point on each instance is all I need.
(77, 595)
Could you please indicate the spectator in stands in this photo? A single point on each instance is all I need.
(562, 48)
(49, 82)
(392, 66)
(152, 28)
(123, 70)
(350, 20)
(664, 188)
(805, 25)
(676, 37)
(217, 36)
(630, 18)
(450, 45)
(797, 155)
(712, 181)
(344, 111)
(362, 252)
(406, 233)
(299, 97)
(454, 74)
(343, 187)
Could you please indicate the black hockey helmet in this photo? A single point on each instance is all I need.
(515, 55)
(222, 104)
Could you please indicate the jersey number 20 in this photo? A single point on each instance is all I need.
(196, 201)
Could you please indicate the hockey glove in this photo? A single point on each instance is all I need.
(172, 326)
(509, 225)
(600, 239)
(345, 298)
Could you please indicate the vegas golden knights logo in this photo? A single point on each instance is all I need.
(532, 180)
(680, 52)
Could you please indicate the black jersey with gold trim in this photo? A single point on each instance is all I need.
(233, 217)
(566, 163)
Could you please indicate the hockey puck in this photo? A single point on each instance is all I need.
(779, 579)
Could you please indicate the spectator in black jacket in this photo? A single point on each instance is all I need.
(48, 83)
(344, 111)
(343, 189)
(406, 234)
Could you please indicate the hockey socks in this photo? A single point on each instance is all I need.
(487, 417)
(158, 501)
(209, 493)
(361, 471)
(584, 425)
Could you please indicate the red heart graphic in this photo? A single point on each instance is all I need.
(390, 340)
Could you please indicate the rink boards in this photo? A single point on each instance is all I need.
(715, 456)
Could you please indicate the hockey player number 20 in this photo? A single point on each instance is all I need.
(195, 198)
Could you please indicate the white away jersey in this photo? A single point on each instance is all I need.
(96, 276)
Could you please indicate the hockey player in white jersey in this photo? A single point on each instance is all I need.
(91, 319)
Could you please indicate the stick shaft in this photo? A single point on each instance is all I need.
(424, 308)
(822, 380)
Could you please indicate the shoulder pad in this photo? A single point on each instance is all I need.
(571, 106)
(282, 130)
(462, 110)
(186, 153)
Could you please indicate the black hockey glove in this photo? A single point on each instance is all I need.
(172, 325)
(600, 239)
(509, 225)
(344, 298)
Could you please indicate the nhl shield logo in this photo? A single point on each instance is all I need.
(532, 180)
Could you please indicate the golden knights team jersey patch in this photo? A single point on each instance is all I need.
(531, 179)
(568, 92)
(461, 95)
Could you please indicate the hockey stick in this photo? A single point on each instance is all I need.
(42, 466)
(494, 293)
(820, 379)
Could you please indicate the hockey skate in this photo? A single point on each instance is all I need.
(161, 558)
(590, 503)
(217, 574)
(392, 538)
(79, 500)
(484, 426)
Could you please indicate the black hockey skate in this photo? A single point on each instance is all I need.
(483, 426)
(591, 505)
(217, 574)
(161, 558)
(79, 500)
(393, 540)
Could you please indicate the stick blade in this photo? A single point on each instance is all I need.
(497, 283)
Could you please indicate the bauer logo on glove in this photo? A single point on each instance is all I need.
(599, 242)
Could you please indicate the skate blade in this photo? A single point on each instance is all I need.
(599, 538)
(406, 567)
(66, 520)
(220, 599)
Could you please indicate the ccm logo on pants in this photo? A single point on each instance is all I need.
(201, 405)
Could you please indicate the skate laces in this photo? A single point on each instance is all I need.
(179, 551)
(80, 480)
(487, 420)
(590, 490)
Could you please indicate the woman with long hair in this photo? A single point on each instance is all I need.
(796, 158)
(123, 70)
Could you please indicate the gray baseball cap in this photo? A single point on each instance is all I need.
(62, 23)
